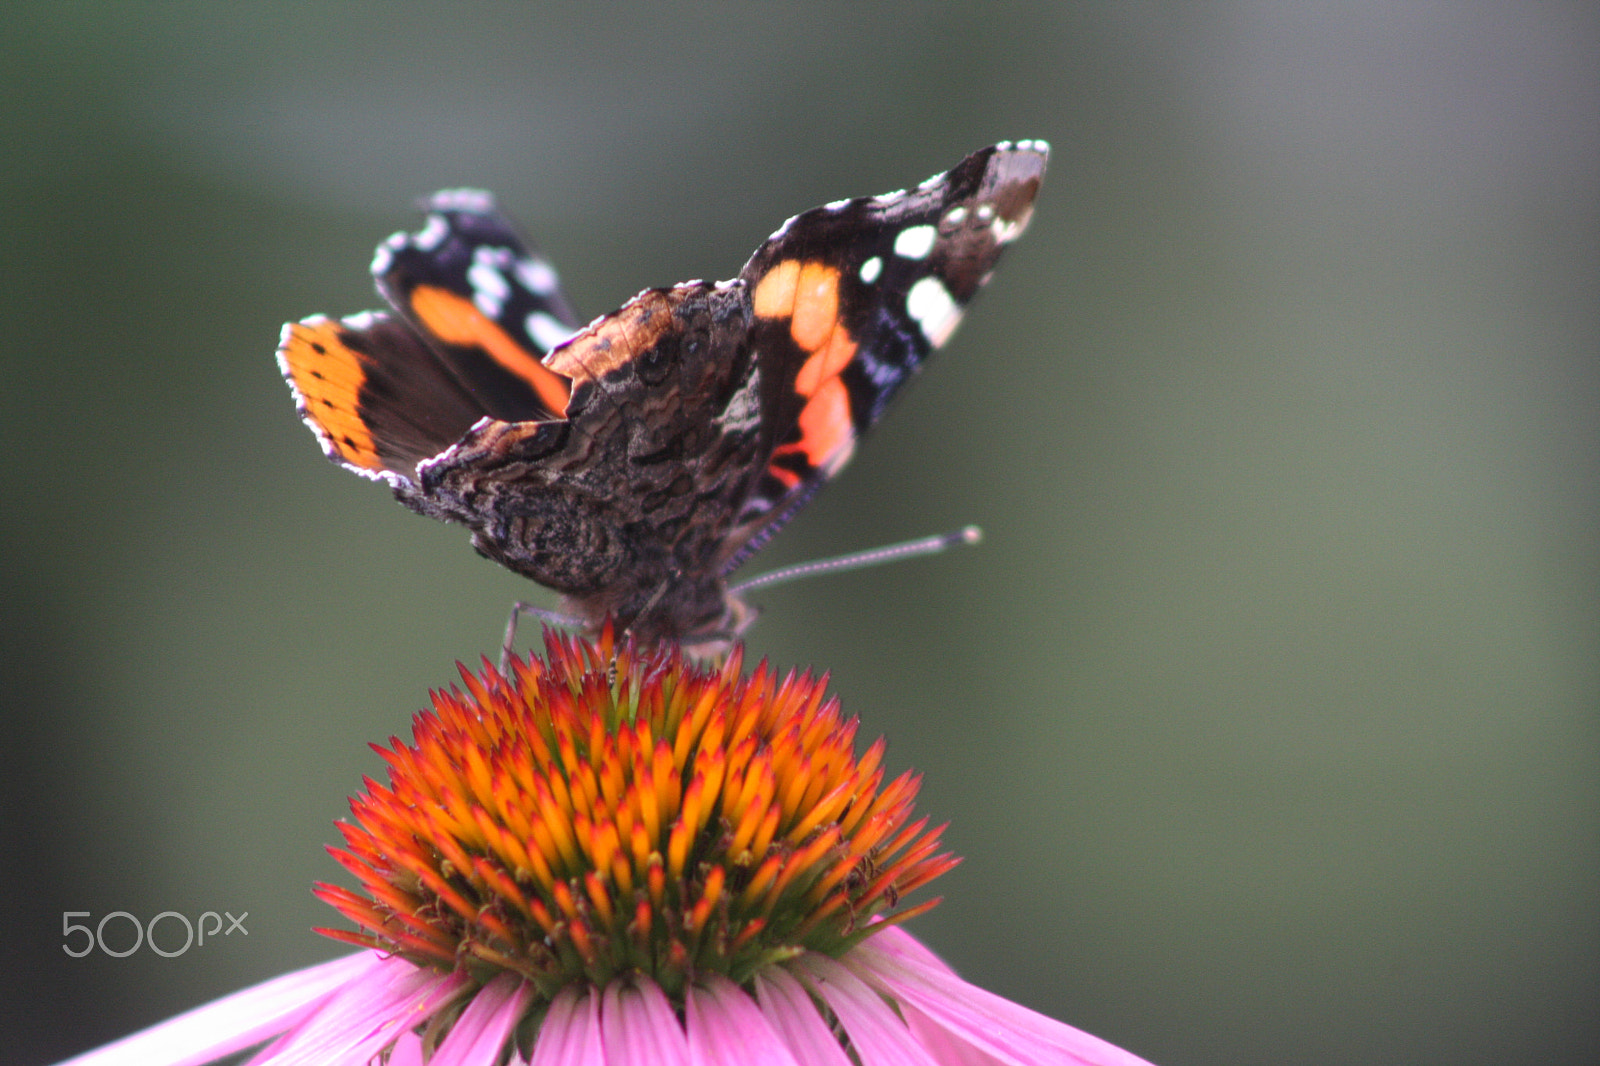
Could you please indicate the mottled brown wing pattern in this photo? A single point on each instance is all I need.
(618, 504)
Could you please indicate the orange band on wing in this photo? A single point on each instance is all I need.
(328, 377)
(826, 433)
(807, 293)
(455, 320)
(827, 362)
(774, 295)
(816, 305)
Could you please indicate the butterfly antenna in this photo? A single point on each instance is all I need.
(889, 553)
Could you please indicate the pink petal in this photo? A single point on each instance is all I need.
(876, 1032)
(570, 1035)
(234, 1022)
(637, 1025)
(792, 1012)
(896, 942)
(726, 1028)
(365, 1017)
(485, 1026)
(407, 1052)
(945, 1047)
(1008, 1031)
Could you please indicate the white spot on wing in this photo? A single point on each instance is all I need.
(433, 233)
(546, 332)
(933, 308)
(383, 258)
(537, 276)
(781, 230)
(489, 287)
(474, 201)
(871, 269)
(956, 215)
(1005, 231)
(915, 242)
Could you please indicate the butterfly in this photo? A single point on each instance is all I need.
(633, 463)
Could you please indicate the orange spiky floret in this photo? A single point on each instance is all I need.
(608, 810)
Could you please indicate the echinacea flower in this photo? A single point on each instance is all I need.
(617, 856)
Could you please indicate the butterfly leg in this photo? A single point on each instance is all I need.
(518, 609)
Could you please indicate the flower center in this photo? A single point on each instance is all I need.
(610, 810)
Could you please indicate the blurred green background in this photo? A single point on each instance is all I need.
(1265, 717)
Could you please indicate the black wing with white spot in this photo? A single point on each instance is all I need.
(488, 302)
(851, 298)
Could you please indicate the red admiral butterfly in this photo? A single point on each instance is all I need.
(633, 463)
